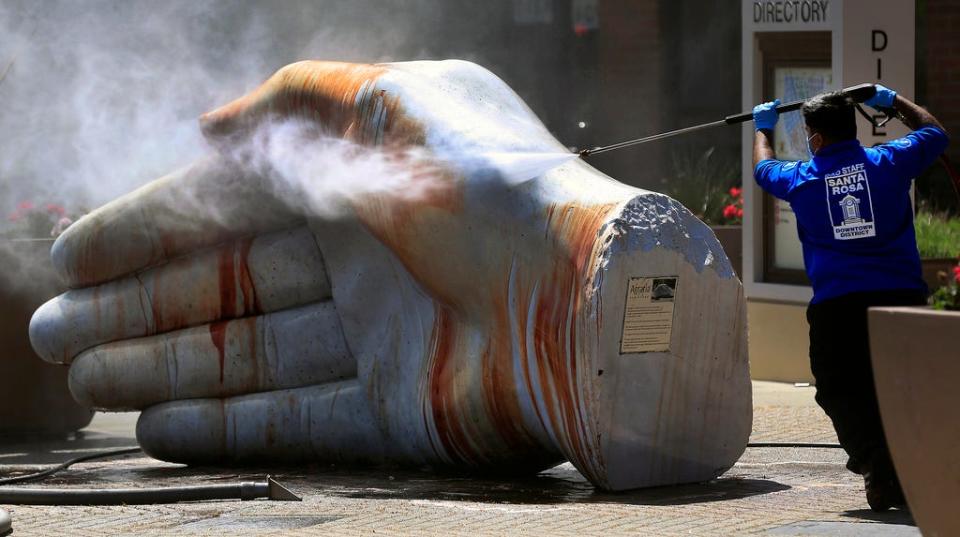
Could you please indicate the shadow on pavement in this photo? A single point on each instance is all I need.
(894, 516)
(557, 485)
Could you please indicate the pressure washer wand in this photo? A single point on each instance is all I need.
(858, 94)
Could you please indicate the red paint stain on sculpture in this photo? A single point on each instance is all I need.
(178, 299)
(227, 283)
(218, 335)
(238, 296)
(251, 304)
(549, 316)
(246, 377)
(575, 231)
(500, 396)
(442, 398)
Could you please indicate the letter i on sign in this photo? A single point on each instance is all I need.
(878, 44)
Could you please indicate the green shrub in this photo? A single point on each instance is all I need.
(938, 236)
(701, 181)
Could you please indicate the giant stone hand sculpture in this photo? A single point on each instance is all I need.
(479, 323)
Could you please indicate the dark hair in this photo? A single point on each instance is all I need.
(832, 114)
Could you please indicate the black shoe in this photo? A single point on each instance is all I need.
(883, 489)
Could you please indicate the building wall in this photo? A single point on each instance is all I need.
(630, 56)
(941, 56)
(664, 65)
(938, 89)
(647, 66)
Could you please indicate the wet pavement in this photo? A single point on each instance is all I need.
(770, 491)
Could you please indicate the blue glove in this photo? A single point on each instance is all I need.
(883, 98)
(765, 115)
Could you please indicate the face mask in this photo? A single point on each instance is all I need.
(809, 147)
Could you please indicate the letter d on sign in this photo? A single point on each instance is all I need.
(879, 35)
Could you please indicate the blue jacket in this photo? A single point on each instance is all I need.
(854, 213)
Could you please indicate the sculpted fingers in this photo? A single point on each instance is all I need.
(268, 273)
(290, 348)
(346, 99)
(331, 422)
(204, 204)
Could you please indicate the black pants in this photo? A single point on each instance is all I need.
(840, 360)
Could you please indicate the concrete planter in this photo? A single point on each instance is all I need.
(34, 398)
(731, 238)
(934, 265)
(916, 363)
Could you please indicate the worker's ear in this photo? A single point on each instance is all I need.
(814, 142)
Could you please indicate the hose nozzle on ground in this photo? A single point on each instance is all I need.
(279, 493)
(6, 526)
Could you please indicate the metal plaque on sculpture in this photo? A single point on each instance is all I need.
(648, 315)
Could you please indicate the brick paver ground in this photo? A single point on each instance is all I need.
(770, 491)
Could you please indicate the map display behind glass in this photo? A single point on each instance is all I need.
(790, 143)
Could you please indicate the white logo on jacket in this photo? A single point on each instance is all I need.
(849, 203)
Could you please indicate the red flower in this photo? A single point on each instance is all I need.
(58, 210)
(739, 212)
(735, 192)
(14, 216)
(956, 273)
(730, 212)
(24, 206)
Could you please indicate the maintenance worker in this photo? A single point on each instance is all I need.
(855, 221)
